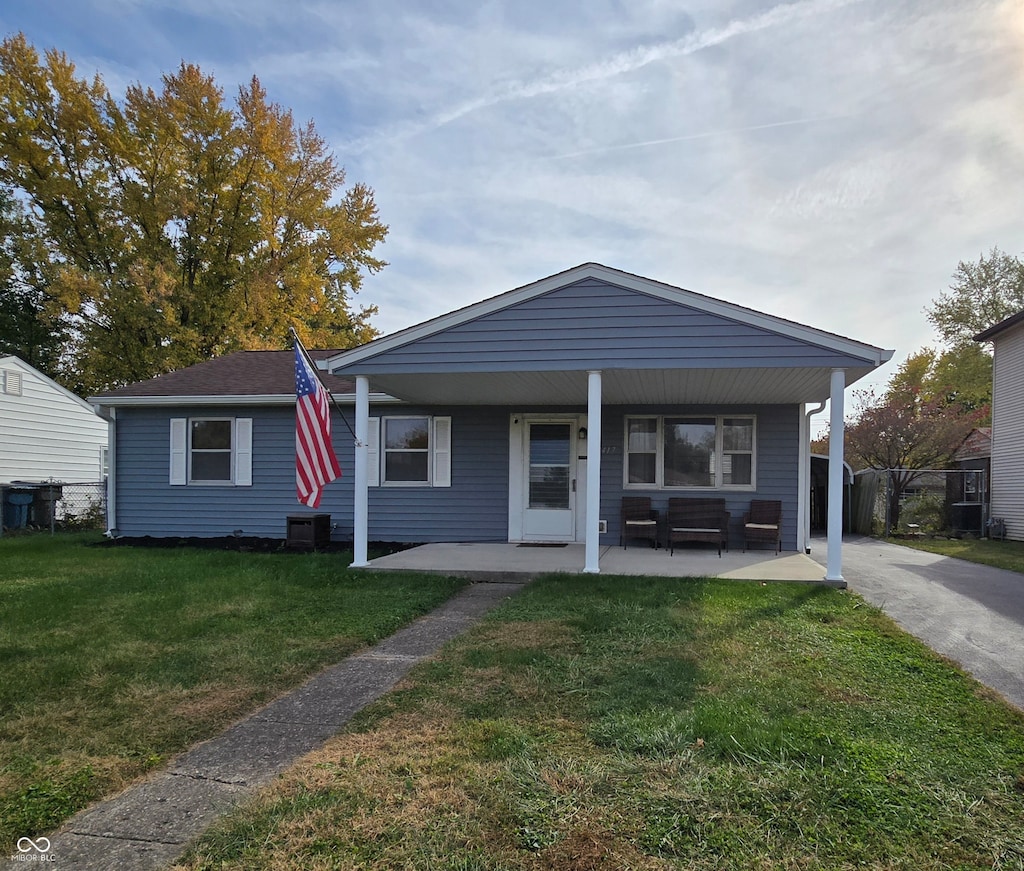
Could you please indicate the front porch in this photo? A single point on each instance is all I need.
(509, 561)
(612, 385)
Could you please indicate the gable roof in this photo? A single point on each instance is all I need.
(993, 331)
(249, 377)
(977, 445)
(629, 281)
(18, 363)
(654, 343)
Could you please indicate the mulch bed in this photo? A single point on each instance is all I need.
(248, 544)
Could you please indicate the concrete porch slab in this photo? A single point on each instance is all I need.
(507, 561)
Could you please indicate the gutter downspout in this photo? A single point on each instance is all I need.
(110, 416)
(804, 501)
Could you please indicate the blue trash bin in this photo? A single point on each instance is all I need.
(16, 505)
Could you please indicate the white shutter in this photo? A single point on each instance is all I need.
(243, 452)
(442, 452)
(179, 451)
(373, 453)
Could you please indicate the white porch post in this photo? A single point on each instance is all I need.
(834, 567)
(803, 485)
(593, 541)
(360, 512)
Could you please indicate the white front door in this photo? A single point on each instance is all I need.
(549, 480)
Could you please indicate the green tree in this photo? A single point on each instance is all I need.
(960, 376)
(176, 226)
(981, 295)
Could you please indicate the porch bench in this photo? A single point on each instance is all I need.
(697, 519)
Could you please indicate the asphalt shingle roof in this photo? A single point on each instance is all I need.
(244, 373)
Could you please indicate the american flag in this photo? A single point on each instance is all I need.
(315, 462)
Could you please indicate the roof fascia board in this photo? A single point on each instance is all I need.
(993, 331)
(263, 399)
(848, 347)
(455, 318)
(732, 311)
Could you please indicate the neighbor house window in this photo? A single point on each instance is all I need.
(706, 451)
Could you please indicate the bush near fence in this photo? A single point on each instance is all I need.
(83, 506)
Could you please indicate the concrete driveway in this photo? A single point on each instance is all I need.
(970, 613)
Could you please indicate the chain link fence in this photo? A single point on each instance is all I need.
(953, 503)
(55, 506)
(82, 506)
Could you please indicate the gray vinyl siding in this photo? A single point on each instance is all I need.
(593, 324)
(474, 508)
(1008, 432)
(778, 441)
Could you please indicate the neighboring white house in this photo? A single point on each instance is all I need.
(46, 432)
(1007, 492)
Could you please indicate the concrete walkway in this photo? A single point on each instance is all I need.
(971, 613)
(148, 826)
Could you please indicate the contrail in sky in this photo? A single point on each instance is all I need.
(624, 62)
(707, 134)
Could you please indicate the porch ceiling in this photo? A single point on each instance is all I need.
(618, 387)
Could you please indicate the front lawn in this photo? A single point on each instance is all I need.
(115, 658)
(999, 554)
(642, 723)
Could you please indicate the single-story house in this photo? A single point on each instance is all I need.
(46, 432)
(524, 418)
(1006, 490)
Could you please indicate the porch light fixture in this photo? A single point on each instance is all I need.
(583, 433)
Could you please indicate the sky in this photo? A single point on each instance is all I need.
(825, 161)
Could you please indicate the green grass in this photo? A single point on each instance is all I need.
(114, 658)
(650, 724)
(1000, 554)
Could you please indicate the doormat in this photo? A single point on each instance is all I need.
(542, 544)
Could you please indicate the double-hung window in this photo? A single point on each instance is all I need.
(211, 450)
(410, 451)
(406, 450)
(691, 451)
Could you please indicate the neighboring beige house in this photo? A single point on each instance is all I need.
(46, 432)
(1007, 490)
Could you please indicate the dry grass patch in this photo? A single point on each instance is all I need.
(643, 723)
(215, 703)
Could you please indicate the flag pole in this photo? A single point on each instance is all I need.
(316, 374)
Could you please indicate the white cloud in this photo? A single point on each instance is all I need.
(829, 161)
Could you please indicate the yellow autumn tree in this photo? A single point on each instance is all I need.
(178, 226)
